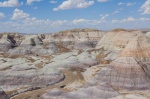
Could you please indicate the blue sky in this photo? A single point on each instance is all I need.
(47, 16)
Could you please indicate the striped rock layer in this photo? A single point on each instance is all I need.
(139, 48)
(125, 73)
(116, 40)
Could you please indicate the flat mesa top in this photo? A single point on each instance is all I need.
(121, 30)
(80, 30)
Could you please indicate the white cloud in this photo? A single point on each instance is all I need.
(85, 22)
(76, 21)
(70, 4)
(129, 19)
(103, 17)
(53, 1)
(30, 24)
(145, 8)
(131, 23)
(2, 15)
(19, 14)
(127, 4)
(115, 12)
(130, 4)
(102, 0)
(121, 3)
(144, 19)
(29, 2)
(10, 3)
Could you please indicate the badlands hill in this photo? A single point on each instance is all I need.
(75, 64)
(77, 38)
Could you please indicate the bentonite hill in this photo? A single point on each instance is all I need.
(75, 64)
(74, 49)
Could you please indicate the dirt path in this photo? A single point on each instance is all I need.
(70, 77)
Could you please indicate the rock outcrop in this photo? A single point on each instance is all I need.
(3, 95)
(116, 40)
(45, 44)
(32, 40)
(76, 38)
(148, 34)
(33, 44)
(80, 63)
(112, 43)
(125, 73)
(7, 42)
(71, 59)
(21, 74)
(138, 47)
(102, 91)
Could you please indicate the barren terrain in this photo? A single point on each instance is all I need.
(75, 64)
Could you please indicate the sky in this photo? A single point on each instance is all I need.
(48, 16)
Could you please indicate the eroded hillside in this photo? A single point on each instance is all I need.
(75, 64)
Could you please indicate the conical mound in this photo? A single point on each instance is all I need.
(116, 40)
(138, 48)
(125, 73)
